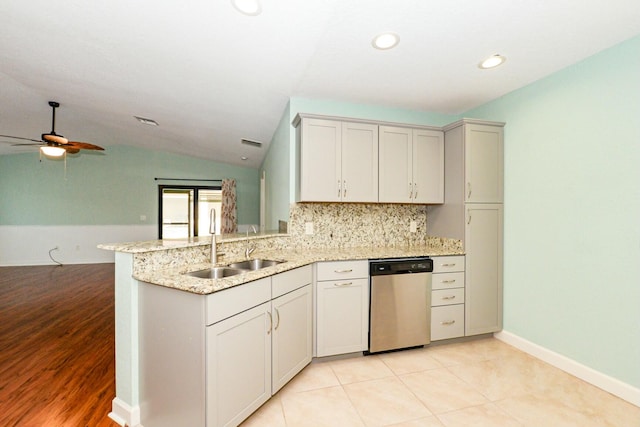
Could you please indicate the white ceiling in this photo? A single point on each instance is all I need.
(211, 76)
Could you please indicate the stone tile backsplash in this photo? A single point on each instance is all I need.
(344, 225)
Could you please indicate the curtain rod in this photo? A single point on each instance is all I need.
(184, 179)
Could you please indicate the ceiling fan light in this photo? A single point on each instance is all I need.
(492, 62)
(51, 151)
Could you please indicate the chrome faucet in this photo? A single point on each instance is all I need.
(249, 249)
(212, 230)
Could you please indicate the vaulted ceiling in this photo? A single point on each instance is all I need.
(211, 76)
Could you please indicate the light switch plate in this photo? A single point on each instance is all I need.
(308, 228)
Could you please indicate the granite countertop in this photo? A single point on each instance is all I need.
(175, 277)
(163, 245)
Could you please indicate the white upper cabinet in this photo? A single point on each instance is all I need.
(411, 165)
(338, 161)
(483, 166)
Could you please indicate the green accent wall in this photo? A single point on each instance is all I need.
(572, 211)
(276, 167)
(110, 188)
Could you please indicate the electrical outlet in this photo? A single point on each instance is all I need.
(413, 227)
(143, 217)
(308, 228)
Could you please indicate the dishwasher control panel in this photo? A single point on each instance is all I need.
(400, 266)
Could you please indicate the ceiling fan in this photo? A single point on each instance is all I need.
(54, 145)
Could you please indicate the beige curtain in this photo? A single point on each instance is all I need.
(229, 214)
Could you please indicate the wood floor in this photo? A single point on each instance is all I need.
(57, 364)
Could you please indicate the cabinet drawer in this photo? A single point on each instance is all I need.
(447, 322)
(339, 270)
(444, 264)
(447, 297)
(447, 280)
(224, 304)
(290, 280)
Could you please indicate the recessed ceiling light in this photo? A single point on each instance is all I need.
(492, 61)
(385, 41)
(247, 7)
(144, 121)
(244, 158)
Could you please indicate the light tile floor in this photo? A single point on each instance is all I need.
(478, 383)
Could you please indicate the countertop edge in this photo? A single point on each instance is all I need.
(177, 279)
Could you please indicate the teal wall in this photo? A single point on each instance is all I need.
(276, 167)
(114, 187)
(572, 211)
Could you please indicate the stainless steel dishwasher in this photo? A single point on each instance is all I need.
(400, 303)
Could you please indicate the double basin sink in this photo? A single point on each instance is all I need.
(233, 269)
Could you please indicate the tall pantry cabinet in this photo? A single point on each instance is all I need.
(473, 213)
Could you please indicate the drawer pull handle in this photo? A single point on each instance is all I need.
(270, 323)
(449, 281)
(451, 264)
(448, 322)
(349, 270)
(449, 297)
(343, 284)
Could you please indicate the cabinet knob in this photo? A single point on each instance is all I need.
(410, 191)
(447, 322)
(415, 190)
(270, 323)
(449, 297)
(349, 270)
(343, 284)
(344, 188)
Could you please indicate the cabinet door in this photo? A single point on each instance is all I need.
(238, 366)
(292, 334)
(395, 174)
(320, 160)
(428, 166)
(342, 316)
(483, 293)
(359, 162)
(483, 163)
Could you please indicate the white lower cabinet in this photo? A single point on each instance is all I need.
(251, 355)
(342, 307)
(291, 341)
(238, 366)
(211, 360)
(447, 297)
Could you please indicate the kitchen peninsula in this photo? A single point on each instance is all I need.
(151, 274)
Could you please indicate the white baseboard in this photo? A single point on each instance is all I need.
(609, 384)
(124, 414)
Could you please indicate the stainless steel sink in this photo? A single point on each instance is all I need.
(255, 264)
(216, 272)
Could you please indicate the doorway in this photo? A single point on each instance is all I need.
(184, 211)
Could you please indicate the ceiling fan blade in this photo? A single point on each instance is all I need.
(83, 145)
(71, 150)
(19, 137)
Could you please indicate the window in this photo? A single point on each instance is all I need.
(185, 210)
